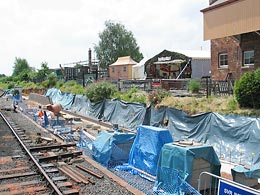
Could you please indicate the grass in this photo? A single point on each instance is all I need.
(221, 105)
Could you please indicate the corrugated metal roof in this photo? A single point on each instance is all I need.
(126, 60)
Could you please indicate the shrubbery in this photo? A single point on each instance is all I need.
(194, 86)
(156, 96)
(247, 90)
(99, 91)
(71, 87)
(132, 95)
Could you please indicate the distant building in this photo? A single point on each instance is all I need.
(58, 72)
(233, 26)
(75, 73)
(178, 65)
(200, 62)
(122, 68)
(138, 70)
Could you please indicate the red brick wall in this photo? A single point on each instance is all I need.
(234, 48)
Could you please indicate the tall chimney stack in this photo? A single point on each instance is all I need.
(90, 60)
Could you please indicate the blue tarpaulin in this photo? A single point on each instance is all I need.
(182, 158)
(65, 99)
(83, 106)
(231, 135)
(112, 148)
(252, 172)
(129, 115)
(146, 148)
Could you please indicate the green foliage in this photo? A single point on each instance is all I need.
(21, 66)
(132, 95)
(30, 85)
(72, 87)
(99, 91)
(194, 86)
(232, 105)
(11, 85)
(247, 90)
(52, 78)
(116, 41)
(59, 84)
(156, 97)
(43, 73)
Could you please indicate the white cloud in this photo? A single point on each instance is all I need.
(62, 31)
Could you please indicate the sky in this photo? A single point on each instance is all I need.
(62, 31)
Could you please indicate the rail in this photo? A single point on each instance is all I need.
(31, 157)
(213, 186)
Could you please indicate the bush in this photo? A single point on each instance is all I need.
(99, 91)
(247, 90)
(194, 86)
(72, 87)
(155, 97)
(132, 95)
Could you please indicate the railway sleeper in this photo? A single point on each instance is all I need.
(70, 192)
(59, 156)
(33, 149)
(10, 176)
(64, 184)
(28, 190)
(17, 185)
(59, 178)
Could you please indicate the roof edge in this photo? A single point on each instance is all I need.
(218, 5)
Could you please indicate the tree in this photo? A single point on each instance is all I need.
(43, 72)
(20, 66)
(116, 41)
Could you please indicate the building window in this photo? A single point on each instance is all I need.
(248, 58)
(113, 69)
(124, 69)
(223, 60)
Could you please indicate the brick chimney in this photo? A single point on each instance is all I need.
(90, 60)
(89, 57)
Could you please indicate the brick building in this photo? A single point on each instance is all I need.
(122, 68)
(233, 26)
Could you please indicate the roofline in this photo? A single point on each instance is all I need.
(218, 5)
(121, 64)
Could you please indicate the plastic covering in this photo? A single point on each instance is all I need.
(65, 99)
(145, 151)
(182, 159)
(129, 115)
(233, 137)
(252, 172)
(112, 148)
(83, 106)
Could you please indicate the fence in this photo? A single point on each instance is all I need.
(210, 184)
(208, 87)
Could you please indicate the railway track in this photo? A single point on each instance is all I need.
(61, 168)
(20, 171)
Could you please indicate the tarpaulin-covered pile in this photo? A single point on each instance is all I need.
(112, 148)
(182, 159)
(147, 146)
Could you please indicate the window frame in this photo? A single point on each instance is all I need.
(220, 60)
(250, 58)
(113, 69)
(124, 69)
